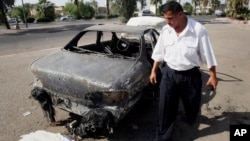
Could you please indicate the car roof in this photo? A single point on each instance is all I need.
(117, 28)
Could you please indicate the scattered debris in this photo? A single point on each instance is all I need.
(217, 107)
(41, 135)
(26, 113)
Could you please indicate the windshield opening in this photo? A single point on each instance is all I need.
(111, 44)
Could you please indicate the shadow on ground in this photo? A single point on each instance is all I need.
(140, 123)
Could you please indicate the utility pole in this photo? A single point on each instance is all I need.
(25, 20)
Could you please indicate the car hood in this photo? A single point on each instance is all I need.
(68, 72)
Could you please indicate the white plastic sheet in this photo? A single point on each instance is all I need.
(41, 135)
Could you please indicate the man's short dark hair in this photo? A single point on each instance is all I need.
(172, 6)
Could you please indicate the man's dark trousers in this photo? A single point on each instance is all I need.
(174, 85)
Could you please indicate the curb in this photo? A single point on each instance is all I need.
(235, 21)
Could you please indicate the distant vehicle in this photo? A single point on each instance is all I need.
(13, 20)
(146, 13)
(67, 18)
(186, 13)
(219, 13)
(148, 21)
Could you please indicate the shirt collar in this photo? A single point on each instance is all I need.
(188, 28)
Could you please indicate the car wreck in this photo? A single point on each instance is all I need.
(99, 75)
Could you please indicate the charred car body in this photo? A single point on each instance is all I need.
(99, 75)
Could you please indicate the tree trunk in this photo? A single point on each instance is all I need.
(76, 2)
(4, 14)
(107, 7)
(195, 8)
(141, 4)
(156, 5)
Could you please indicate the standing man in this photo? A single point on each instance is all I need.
(184, 46)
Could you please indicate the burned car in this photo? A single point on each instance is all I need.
(99, 75)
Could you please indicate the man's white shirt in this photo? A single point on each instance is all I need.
(190, 49)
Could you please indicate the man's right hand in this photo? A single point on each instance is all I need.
(152, 78)
(153, 74)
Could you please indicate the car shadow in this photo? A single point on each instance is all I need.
(140, 123)
(212, 124)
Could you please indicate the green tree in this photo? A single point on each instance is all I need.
(125, 8)
(114, 8)
(94, 4)
(9, 3)
(156, 2)
(188, 7)
(71, 9)
(142, 3)
(81, 11)
(3, 10)
(87, 11)
(45, 10)
(238, 9)
(19, 11)
(215, 3)
(75, 2)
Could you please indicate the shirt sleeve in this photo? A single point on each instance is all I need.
(158, 52)
(207, 53)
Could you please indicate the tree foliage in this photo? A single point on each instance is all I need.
(3, 10)
(156, 2)
(45, 10)
(19, 11)
(94, 4)
(83, 10)
(70, 8)
(238, 9)
(188, 7)
(142, 3)
(126, 8)
(215, 3)
(87, 11)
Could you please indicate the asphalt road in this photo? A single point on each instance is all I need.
(43, 36)
(230, 44)
(50, 35)
(38, 39)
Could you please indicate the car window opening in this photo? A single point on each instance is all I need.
(110, 44)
